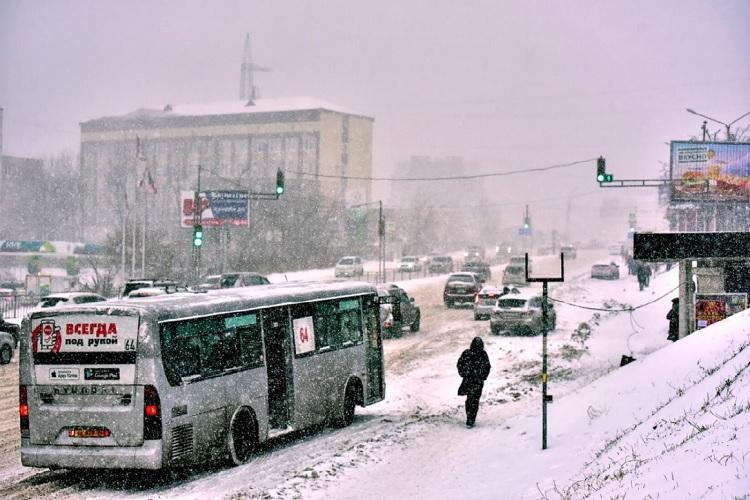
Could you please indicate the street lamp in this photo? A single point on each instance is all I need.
(727, 125)
(381, 237)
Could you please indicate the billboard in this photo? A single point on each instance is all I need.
(218, 208)
(710, 171)
(710, 308)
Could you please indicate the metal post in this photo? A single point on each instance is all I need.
(546, 398)
(544, 365)
(381, 235)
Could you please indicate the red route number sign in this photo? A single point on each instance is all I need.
(304, 335)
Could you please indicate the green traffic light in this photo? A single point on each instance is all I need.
(600, 178)
(197, 236)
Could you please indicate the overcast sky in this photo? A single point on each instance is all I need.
(505, 85)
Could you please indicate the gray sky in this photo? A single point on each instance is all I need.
(505, 85)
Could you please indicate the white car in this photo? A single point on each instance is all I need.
(410, 263)
(349, 266)
(68, 298)
(609, 271)
(514, 312)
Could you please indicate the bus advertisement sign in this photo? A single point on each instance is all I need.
(62, 347)
(710, 171)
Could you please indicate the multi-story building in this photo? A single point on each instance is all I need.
(238, 145)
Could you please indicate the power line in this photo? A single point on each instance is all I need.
(448, 178)
(628, 309)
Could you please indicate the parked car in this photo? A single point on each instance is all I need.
(479, 267)
(521, 312)
(136, 283)
(485, 301)
(568, 251)
(441, 264)
(514, 274)
(11, 329)
(609, 271)
(410, 263)
(7, 345)
(147, 291)
(68, 298)
(234, 280)
(349, 266)
(461, 288)
(397, 311)
(210, 282)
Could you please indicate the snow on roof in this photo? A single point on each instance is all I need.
(242, 107)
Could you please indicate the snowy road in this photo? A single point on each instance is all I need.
(420, 405)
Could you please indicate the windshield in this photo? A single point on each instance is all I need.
(52, 301)
(515, 270)
(462, 278)
(346, 262)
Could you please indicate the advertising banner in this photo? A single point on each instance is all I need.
(84, 349)
(218, 208)
(710, 171)
(710, 308)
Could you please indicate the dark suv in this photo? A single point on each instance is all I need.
(479, 267)
(441, 264)
(461, 288)
(397, 310)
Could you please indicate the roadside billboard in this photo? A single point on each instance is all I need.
(710, 171)
(218, 208)
(710, 308)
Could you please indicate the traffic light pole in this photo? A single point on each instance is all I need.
(197, 219)
(546, 398)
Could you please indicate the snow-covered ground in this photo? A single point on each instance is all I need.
(672, 424)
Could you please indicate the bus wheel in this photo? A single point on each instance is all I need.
(242, 438)
(347, 408)
(5, 354)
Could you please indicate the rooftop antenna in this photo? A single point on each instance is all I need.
(248, 90)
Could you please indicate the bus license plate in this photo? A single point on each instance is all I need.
(88, 432)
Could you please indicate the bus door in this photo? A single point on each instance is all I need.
(375, 381)
(276, 335)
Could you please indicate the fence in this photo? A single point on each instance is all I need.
(17, 305)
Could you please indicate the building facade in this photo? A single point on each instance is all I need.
(239, 145)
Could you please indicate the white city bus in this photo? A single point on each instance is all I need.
(184, 378)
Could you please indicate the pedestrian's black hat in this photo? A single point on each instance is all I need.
(676, 299)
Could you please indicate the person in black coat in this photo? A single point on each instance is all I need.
(674, 320)
(473, 367)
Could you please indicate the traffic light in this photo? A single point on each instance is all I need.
(526, 222)
(601, 170)
(197, 235)
(279, 182)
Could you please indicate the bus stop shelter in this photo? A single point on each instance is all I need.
(712, 267)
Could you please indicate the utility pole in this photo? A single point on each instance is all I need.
(546, 398)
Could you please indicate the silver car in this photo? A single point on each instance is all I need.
(609, 271)
(349, 266)
(485, 301)
(521, 312)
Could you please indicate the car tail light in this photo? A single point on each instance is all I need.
(23, 410)
(151, 413)
(476, 298)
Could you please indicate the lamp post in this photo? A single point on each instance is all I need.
(727, 125)
(381, 237)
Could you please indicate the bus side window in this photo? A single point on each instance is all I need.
(251, 347)
(325, 323)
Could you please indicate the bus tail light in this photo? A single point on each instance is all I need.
(23, 410)
(151, 413)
